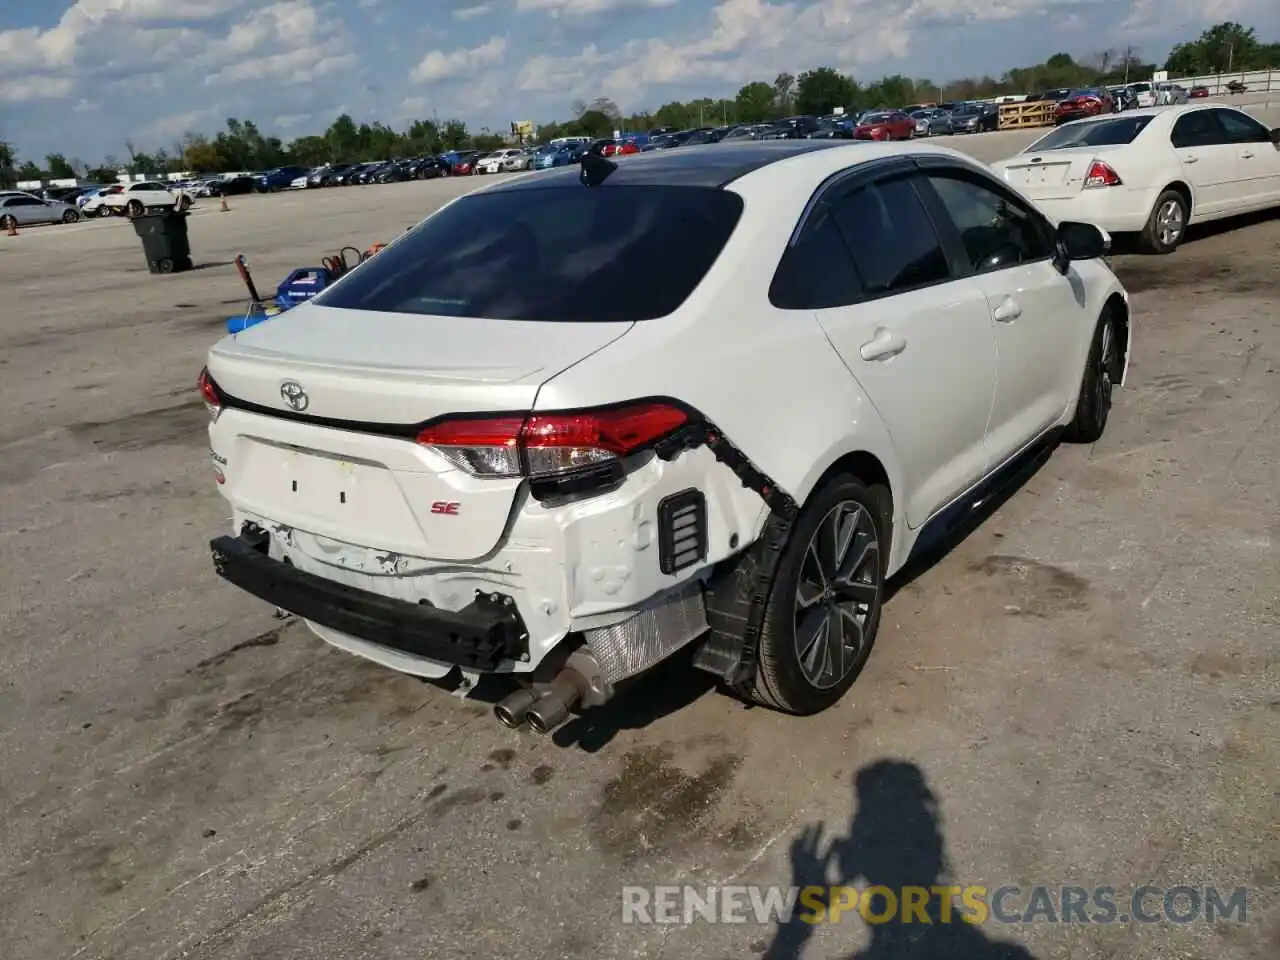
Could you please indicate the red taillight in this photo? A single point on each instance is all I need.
(209, 393)
(1101, 175)
(547, 444)
(116, 190)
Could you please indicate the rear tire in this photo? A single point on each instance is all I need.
(133, 209)
(71, 216)
(104, 211)
(1166, 225)
(823, 609)
(1102, 372)
(8, 222)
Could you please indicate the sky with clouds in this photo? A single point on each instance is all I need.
(80, 76)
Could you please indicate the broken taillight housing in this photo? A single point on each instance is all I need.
(210, 394)
(1101, 175)
(541, 445)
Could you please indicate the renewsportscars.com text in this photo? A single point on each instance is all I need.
(936, 904)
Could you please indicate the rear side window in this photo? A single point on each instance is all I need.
(894, 244)
(816, 273)
(1196, 129)
(555, 254)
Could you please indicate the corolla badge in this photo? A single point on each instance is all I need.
(293, 394)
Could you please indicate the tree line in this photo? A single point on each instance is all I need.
(241, 145)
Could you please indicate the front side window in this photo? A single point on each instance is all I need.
(996, 231)
(893, 242)
(550, 254)
(1242, 128)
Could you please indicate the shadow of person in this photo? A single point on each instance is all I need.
(894, 843)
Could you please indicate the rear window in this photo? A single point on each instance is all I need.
(555, 254)
(1097, 133)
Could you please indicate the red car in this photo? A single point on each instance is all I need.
(1198, 92)
(1083, 103)
(620, 148)
(893, 125)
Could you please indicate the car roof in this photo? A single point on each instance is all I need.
(712, 165)
(721, 164)
(1172, 109)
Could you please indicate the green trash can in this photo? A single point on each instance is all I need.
(164, 241)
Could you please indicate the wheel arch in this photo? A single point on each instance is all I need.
(1182, 188)
(870, 458)
(1118, 305)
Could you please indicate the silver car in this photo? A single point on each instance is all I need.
(17, 211)
(932, 121)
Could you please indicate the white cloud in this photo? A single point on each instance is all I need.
(583, 8)
(470, 13)
(84, 22)
(745, 40)
(438, 65)
(174, 125)
(35, 88)
(136, 44)
(544, 74)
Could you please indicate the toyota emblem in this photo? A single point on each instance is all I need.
(294, 395)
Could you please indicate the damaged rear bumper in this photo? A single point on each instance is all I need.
(478, 637)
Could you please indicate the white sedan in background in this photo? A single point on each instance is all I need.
(1152, 172)
(501, 161)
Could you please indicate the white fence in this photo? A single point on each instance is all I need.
(1257, 81)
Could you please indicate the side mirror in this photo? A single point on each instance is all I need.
(1081, 241)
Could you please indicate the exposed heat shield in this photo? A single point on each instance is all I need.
(636, 644)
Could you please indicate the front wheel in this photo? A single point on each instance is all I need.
(1102, 371)
(134, 209)
(8, 222)
(1166, 224)
(823, 610)
(71, 216)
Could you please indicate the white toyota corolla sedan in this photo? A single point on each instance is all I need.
(714, 396)
(1152, 172)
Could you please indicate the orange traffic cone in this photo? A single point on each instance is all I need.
(224, 208)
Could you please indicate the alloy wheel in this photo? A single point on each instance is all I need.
(1169, 222)
(1107, 363)
(837, 594)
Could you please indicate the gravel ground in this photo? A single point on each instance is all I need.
(1083, 691)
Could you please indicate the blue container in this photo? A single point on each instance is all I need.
(300, 286)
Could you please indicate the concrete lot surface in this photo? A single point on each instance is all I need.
(1086, 690)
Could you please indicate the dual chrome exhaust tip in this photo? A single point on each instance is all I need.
(541, 711)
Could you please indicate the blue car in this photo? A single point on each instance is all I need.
(280, 179)
(554, 157)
